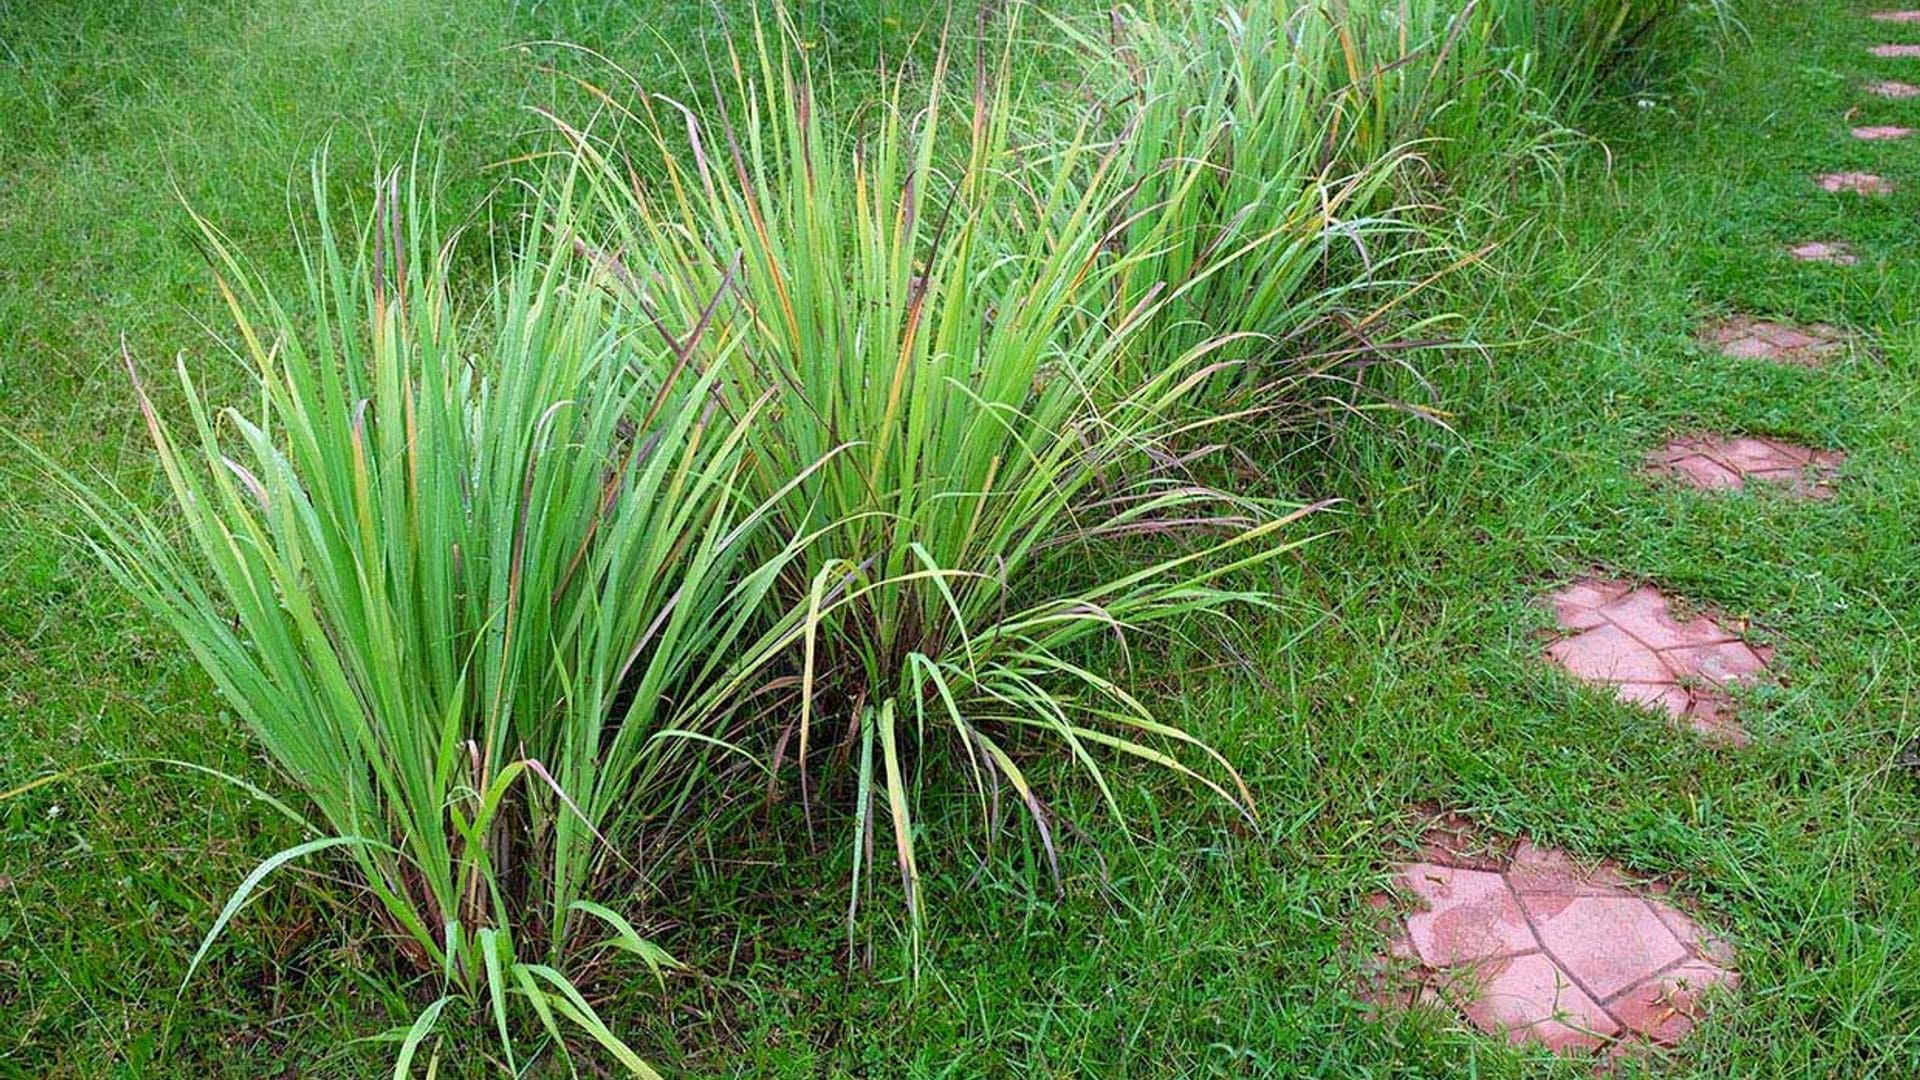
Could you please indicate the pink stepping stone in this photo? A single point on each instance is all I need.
(1892, 89)
(1726, 463)
(1854, 183)
(1896, 52)
(1546, 950)
(1881, 132)
(1530, 998)
(1746, 338)
(1628, 638)
(1819, 251)
(1896, 16)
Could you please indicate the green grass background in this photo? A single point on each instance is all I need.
(1402, 667)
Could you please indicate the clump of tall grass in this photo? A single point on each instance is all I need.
(1577, 44)
(1327, 135)
(950, 324)
(485, 585)
(1486, 83)
(1263, 205)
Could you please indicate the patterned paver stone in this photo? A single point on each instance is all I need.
(1537, 947)
(1746, 338)
(1854, 183)
(1727, 462)
(1881, 132)
(1893, 89)
(1628, 637)
(1896, 16)
(1896, 52)
(1820, 251)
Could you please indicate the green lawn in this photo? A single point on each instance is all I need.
(1401, 669)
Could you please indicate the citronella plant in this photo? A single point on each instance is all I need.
(1263, 213)
(943, 316)
(1325, 131)
(1445, 76)
(482, 584)
(1575, 44)
(1487, 83)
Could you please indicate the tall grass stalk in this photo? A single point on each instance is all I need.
(1326, 132)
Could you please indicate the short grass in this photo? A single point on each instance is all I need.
(1401, 669)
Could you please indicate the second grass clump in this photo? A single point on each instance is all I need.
(965, 376)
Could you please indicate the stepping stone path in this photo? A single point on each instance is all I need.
(1854, 183)
(1726, 463)
(1531, 945)
(1744, 337)
(1628, 638)
(1819, 251)
(1523, 940)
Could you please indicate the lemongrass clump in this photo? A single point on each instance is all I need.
(1577, 43)
(1323, 134)
(950, 331)
(1264, 208)
(484, 585)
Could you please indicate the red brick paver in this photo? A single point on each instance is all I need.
(1892, 88)
(1546, 950)
(1627, 637)
(1744, 337)
(1838, 254)
(1854, 183)
(1726, 463)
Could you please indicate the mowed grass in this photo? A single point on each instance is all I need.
(1402, 667)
